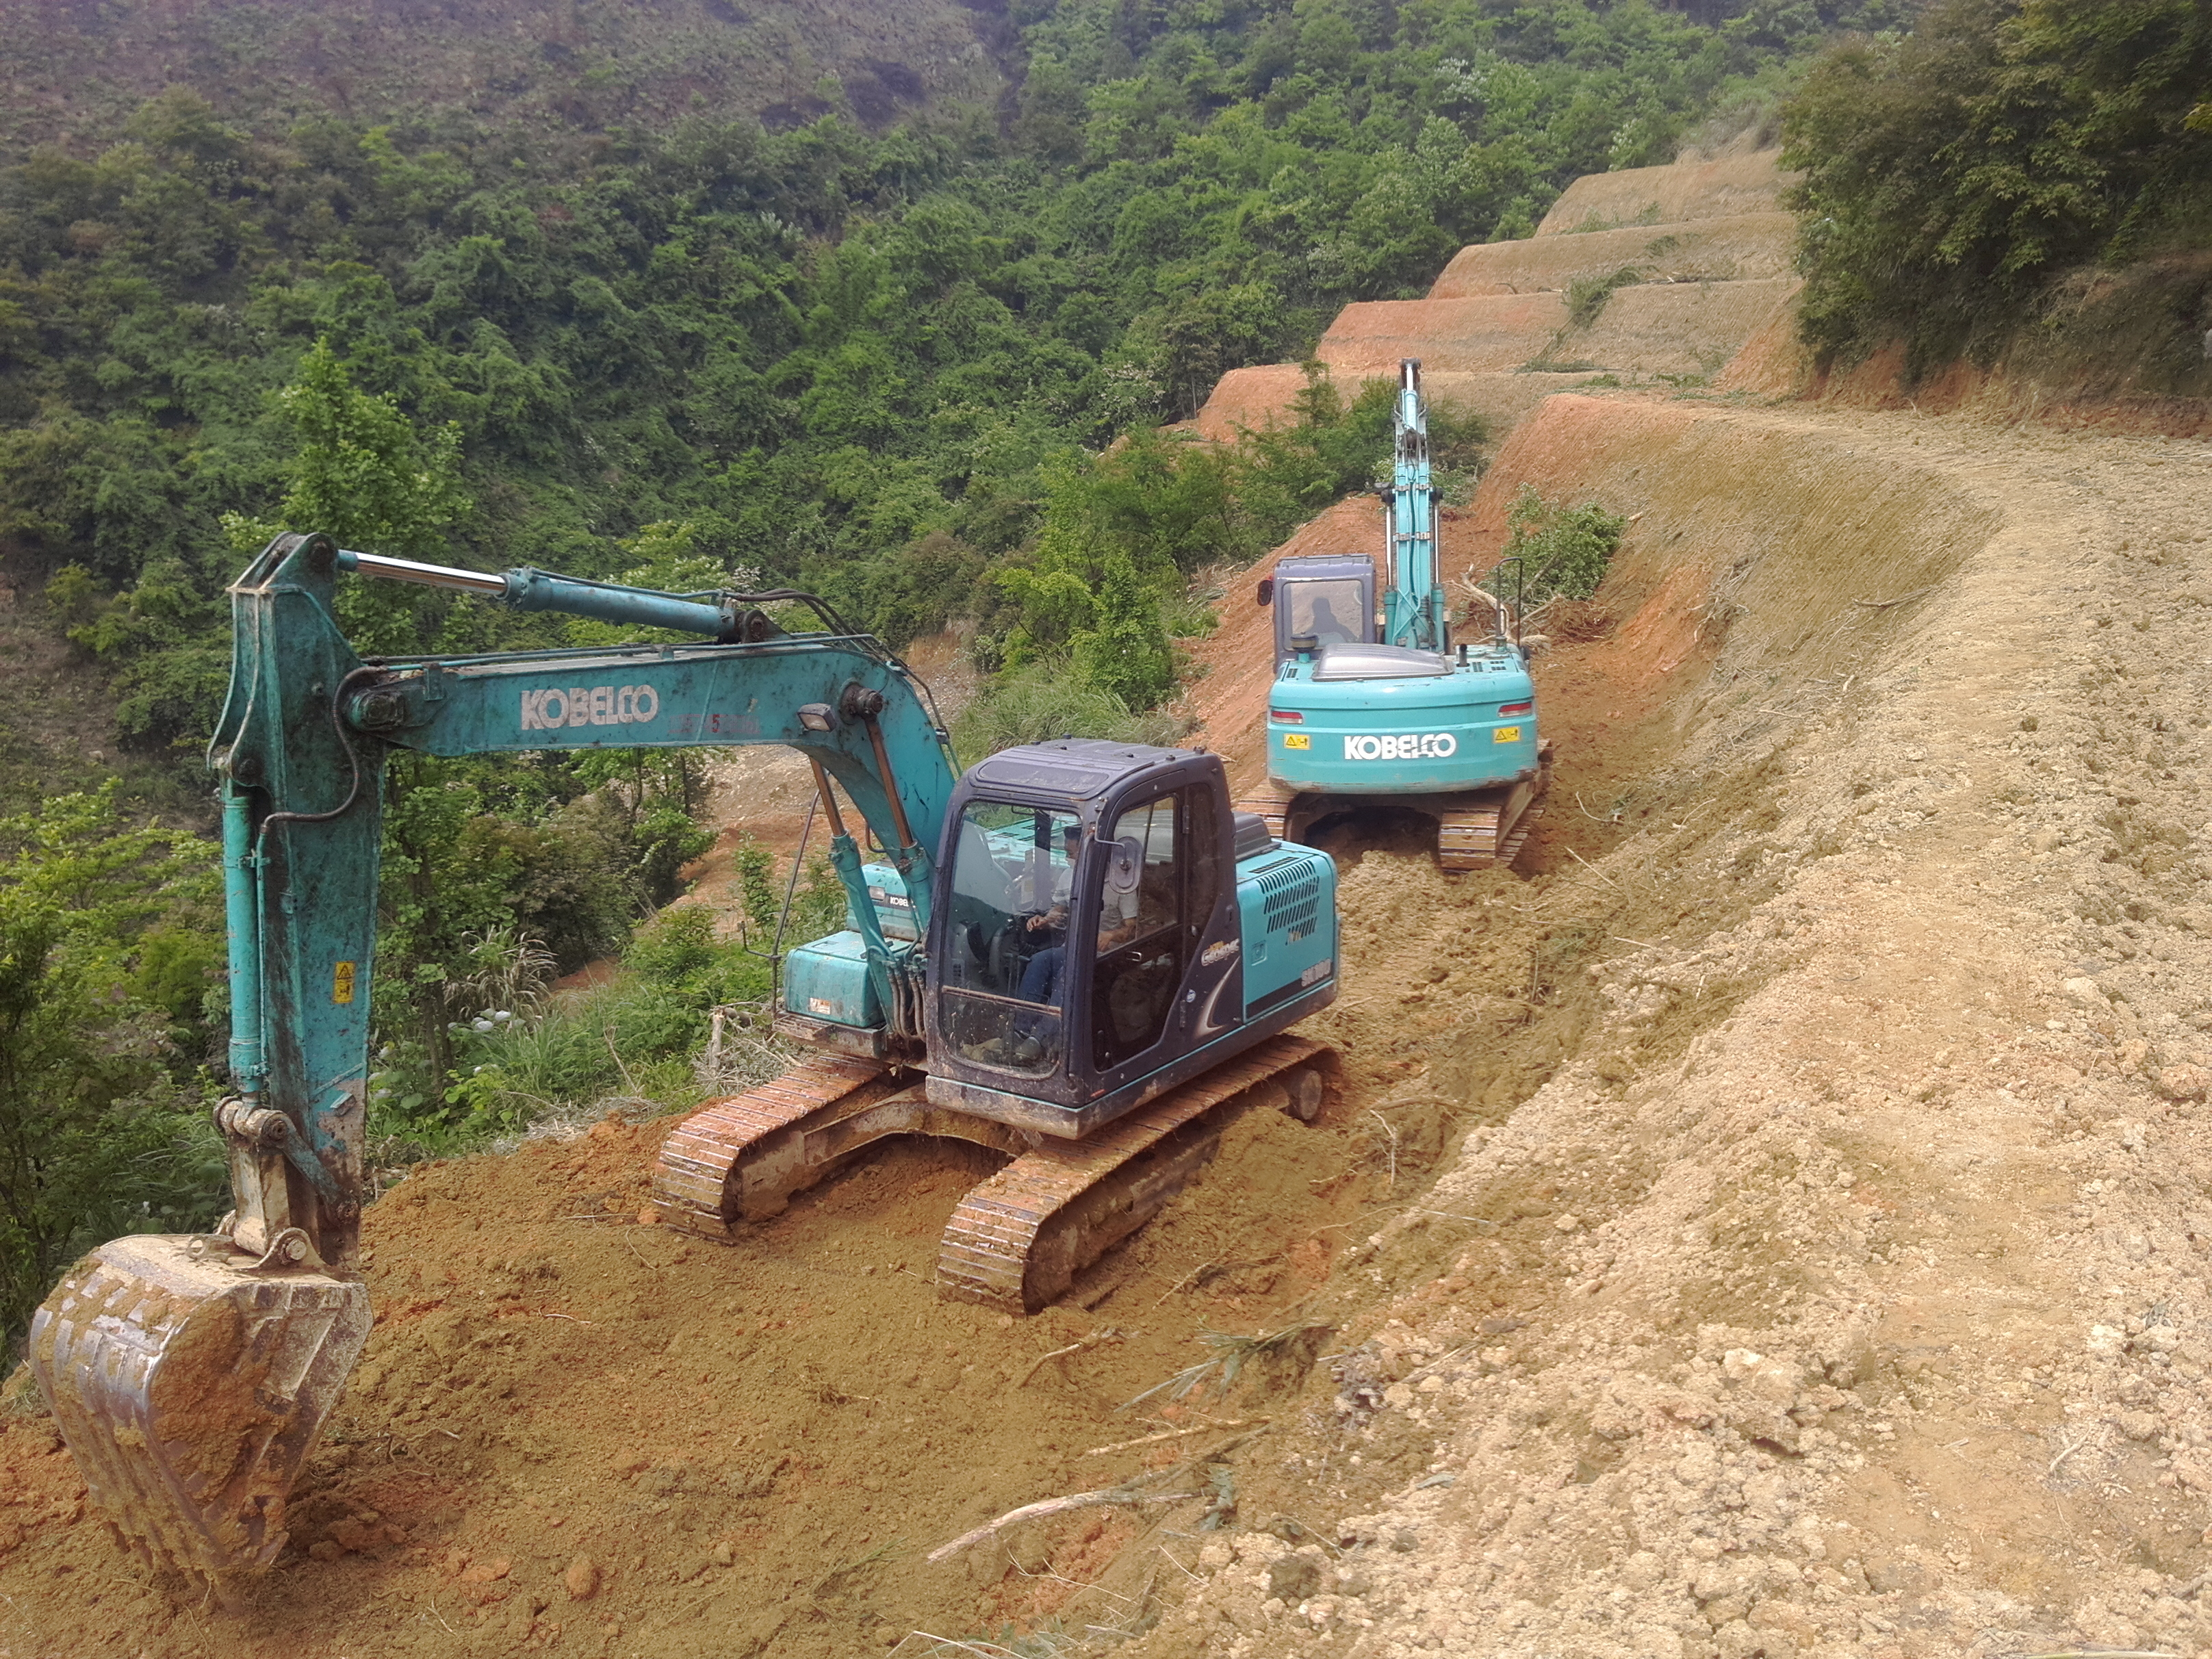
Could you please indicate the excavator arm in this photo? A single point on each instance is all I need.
(1415, 612)
(267, 1319)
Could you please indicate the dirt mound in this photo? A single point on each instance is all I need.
(1742, 247)
(1719, 189)
(1249, 399)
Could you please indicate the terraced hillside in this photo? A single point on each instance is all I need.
(1653, 275)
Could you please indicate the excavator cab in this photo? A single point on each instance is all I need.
(1328, 598)
(1085, 940)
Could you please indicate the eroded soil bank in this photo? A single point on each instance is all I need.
(1770, 1223)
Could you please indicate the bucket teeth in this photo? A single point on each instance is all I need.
(189, 1393)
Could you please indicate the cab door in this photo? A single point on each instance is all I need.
(1160, 870)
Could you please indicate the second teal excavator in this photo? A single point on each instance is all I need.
(1381, 707)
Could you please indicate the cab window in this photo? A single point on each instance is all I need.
(1142, 942)
(1329, 611)
(1004, 981)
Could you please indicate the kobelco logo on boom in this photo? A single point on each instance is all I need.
(1424, 745)
(589, 705)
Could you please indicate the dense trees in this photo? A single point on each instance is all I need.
(854, 361)
(110, 942)
(1954, 171)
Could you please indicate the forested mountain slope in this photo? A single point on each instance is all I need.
(563, 70)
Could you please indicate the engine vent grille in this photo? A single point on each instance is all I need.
(1292, 900)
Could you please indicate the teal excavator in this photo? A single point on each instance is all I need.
(1077, 955)
(1381, 707)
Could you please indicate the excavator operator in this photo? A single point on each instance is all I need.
(1325, 627)
(1041, 979)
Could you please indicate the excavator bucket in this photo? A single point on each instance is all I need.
(189, 1386)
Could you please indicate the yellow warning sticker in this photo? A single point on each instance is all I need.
(1506, 735)
(1296, 740)
(341, 983)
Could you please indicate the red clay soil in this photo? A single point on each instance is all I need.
(574, 1432)
(1253, 399)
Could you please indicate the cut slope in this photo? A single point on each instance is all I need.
(1678, 328)
(1708, 281)
(1743, 247)
(1720, 189)
(1494, 333)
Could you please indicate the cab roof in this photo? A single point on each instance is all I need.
(1080, 768)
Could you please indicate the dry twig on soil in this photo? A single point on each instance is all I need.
(1186, 1278)
(1172, 1434)
(1393, 1144)
(1593, 869)
(1081, 1500)
(1884, 604)
(1230, 1355)
(1109, 1335)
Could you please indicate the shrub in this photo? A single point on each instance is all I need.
(1586, 295)
(1564, 550)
